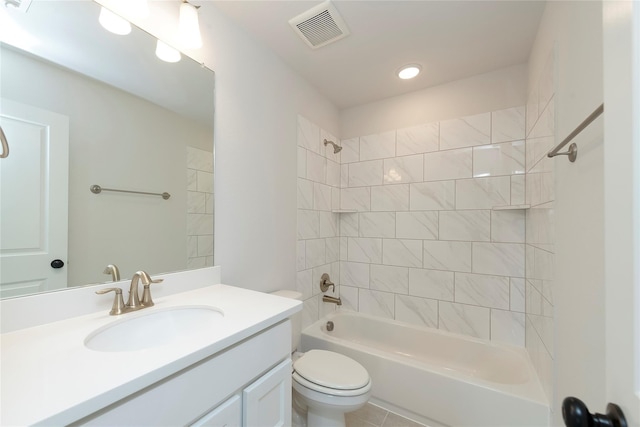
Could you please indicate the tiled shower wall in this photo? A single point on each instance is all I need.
(318, 249)
(199, 208)
(421, 243)
(425, 246)
(540, 240)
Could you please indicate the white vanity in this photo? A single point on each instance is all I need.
(233, 369)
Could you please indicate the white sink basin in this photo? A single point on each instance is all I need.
(156, 328)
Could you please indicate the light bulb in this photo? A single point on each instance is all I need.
(112, 22)
(166, 52)
(189, 26)
(409, 71)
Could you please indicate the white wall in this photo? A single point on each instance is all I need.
(257, 104)
(575, 29)
(258, 99)
(491, 91)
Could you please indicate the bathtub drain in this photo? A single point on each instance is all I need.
(329, 326)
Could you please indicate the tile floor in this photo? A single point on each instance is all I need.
(374, 416)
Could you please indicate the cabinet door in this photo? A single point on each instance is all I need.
(267, 402)
(229, 414)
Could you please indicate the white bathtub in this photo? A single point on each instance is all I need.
(436, 377)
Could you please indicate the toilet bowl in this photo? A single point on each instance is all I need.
(329, 385)
(326, 384)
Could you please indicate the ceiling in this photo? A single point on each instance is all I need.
(451, 39)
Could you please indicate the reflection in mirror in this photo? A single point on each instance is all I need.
(80, 107)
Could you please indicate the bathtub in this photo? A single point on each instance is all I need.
(436, 377)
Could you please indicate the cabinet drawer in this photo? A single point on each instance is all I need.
(229, 414)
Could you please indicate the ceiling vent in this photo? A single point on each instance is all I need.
(20, 5)
(320, 25)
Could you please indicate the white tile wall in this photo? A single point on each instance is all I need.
(390, 198)
(418, 139)
(424, 246)
(403, 169)
(319, 182)
(465, 131)
(378, 146)
(199, 208)
(365, 173)
(377, 224)
(450, 164)
(506, 158)
(508, 125)
(438, 195)
(534, 295)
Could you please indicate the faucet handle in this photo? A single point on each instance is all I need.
(326, 283)
(146, 294)
(118, 303)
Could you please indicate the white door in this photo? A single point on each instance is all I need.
(33, 200)
(621, 31)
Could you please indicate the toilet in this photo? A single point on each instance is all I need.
(326, 384)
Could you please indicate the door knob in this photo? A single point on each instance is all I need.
(576, 414)
(57, 263)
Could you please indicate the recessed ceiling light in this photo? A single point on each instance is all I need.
(409, 71)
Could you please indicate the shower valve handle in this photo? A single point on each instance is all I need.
(326, 283)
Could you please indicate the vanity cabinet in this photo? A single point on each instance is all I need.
(247, 384)
(229, 414)
(266, 402)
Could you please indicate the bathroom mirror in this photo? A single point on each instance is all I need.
(130, 122)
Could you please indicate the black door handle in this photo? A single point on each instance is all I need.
(57, 263)
(576, 414)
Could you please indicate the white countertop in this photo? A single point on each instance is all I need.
(49, 377)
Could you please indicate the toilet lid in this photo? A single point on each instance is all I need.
(332, 370)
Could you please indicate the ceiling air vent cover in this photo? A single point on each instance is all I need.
(320, 25)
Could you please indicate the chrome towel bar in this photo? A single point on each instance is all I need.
(5, 145)
(573, 148)
(96, 189)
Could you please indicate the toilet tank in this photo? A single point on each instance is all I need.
(296, 319)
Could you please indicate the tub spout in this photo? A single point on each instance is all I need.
(333, 300)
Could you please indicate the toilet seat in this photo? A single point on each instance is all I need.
(299, 380)
(331, 373)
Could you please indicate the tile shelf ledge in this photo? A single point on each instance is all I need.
(510, 207)
(344, 211)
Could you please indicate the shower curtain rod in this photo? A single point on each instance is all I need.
(573, 148)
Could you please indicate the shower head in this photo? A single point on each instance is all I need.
(336, 148)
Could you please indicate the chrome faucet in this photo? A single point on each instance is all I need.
(133, 302)
(334, 300)
(112, 269)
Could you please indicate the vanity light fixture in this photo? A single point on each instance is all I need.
(189, 26)
(167, 53)
(113, 23)
(139, 8)
(409, 71)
